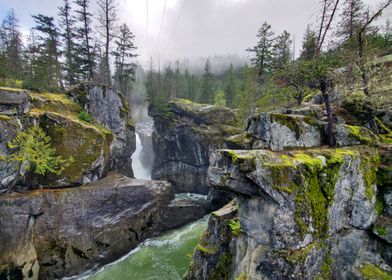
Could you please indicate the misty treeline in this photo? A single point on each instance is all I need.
(345, 35)
(72, 47)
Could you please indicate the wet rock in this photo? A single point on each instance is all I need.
(68, 231)
(212, 258)
(182, 211)
(183, 139)
(109, 108)
(302, 214)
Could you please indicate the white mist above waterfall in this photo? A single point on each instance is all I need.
(140, 172)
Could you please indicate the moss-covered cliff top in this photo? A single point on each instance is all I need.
(307, 177)
(203, 113)
(46, 102)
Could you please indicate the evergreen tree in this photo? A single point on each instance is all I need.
(230, 87)
(49, 46)
(67, 24)
(309, 45)
(125, 51)
(281, 51)
(107, 20)
(262, 52)
(85, 58)
(11, 47)
(177, 80)
(207, 87)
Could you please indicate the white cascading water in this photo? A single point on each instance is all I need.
(140, 172)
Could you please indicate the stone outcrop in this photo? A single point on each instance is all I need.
(303, 215)
(49, 234)
(14, 101)
(278, 131)
(215, 246)
(87, 142)
(109, 108)
(183, 139)
(305, 211)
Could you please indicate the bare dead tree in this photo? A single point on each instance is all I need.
(328, 13)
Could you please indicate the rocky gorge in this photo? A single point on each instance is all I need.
(302, 210)
(93, 212)
(298, 208)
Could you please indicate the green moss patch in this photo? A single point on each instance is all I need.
(373, 272)
(309, 176)
(86, 143)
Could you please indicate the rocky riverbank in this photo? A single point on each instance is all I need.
(302, 210)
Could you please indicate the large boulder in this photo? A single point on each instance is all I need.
(88, 145)
(55, 233)
(109, 108)
(183, 140)
(87, 142)
(278, 131)
(302, 215)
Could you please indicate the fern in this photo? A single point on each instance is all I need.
(34, 147)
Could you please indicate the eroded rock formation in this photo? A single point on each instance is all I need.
(315, 213)
(183, 139)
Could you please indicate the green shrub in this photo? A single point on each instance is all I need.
(33, 147)
(84, 116)
(235, 227)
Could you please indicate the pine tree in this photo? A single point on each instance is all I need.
(262, 52)
(49, 49)
(309, 45)
(230, 87)
(85, 58)
(107, 20)
(125, 51)
(11, 47)
(67, 24)
(207, 87)
(281, 51)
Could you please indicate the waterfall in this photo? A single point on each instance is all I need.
(140, 172)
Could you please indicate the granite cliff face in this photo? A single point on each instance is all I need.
(183, 140)
(110, 109)
(315, 213)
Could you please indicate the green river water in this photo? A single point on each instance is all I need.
(162, 258)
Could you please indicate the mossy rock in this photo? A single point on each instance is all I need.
(55, 103)
(383, 227)
(87, 144)
(241, 141)
(203, 113)
(308, 178)
(374, 272)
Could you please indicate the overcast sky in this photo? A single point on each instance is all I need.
(193, 28)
